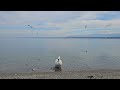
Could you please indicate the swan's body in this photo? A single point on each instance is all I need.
(58, 63)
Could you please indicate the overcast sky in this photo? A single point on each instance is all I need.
(58, 23)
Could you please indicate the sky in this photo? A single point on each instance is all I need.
(58, 23)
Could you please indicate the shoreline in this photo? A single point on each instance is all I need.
(91, 74)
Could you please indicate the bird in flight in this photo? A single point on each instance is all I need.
(33, 28)
(108, 25)
(30, 26)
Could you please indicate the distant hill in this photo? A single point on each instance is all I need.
(97, 35)
(83, 36)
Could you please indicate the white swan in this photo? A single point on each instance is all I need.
(58, 63)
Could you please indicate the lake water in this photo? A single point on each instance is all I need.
(23, 54)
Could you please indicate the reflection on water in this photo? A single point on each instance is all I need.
(24, 54)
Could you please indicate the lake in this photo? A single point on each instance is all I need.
(23, 54)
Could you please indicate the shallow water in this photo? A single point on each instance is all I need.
(23, 54)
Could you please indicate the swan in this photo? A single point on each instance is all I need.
(58, 63)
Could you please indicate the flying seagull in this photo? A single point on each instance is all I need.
(108, 25)
(33, 27)
(30, 26)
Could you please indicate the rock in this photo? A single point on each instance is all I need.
(33, 69)
(15, 74)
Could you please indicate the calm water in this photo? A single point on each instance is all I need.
(23, 54)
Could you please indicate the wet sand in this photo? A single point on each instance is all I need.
(93, 74)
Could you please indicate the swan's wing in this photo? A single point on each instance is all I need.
(60, 62)
(56, 61)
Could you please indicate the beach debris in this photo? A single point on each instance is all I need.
(53, 68)
(91, 76)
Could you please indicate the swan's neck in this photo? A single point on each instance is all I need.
(59, 57)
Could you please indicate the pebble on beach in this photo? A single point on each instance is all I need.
(33, 69)
(15, 74)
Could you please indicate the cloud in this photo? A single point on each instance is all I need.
(59, 23)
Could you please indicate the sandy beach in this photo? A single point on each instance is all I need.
(93, 74)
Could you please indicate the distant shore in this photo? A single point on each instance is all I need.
(93, 74)
(73, 37)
